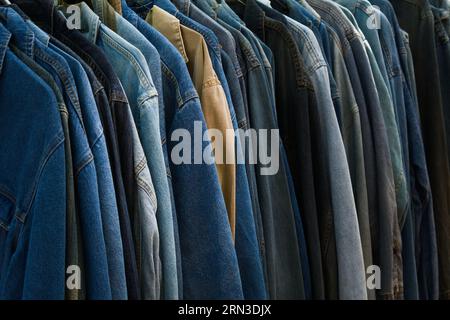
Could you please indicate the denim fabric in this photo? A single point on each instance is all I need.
(281, 42)
(204, 271)
(396, 82)
(88, 204)
(32, 199)
(133, 71)
(300, 14)
(379, 174)
(87, 85)
(119, 138)
(155, 38)
(73, 254)
(416, 18)
(363, 12)
(421, 206)
(246, 247)
(393, 133)
(443, 55)
(150, 135)
(259, 72)
(108, 204)
(250, 67)
(421, 197)
(351, 285)
(225, 39)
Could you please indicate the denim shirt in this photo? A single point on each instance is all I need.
(33, 198)
(203, 211)
(133, 71)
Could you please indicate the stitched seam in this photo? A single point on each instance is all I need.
(64, 77)
(300, 77)
(84, 163)
(58, 141)
(130, 57)
(189, 95)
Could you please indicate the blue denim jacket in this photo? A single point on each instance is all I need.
(88, 201)
(212, 273)
(96, 139)
(134, 74)
(152, 138)
(247, 248)
(32, 184)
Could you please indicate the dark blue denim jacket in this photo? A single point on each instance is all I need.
(32, 184)
(88, 203)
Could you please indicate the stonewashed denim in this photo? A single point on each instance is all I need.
(88, 204)
(421, 206)
(72, 254)
(259, 71)
(300, 14)
(203, 270)
(378, 66)
(150, 135)
(397, 83)
(348, 242)
(416, 18)
(132, 69)
(32, 199)
(379, 174)
(348, 119)
(281, 42)
(118, 133)
(246, 243)
(175, 290)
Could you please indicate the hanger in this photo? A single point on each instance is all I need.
(5, 2)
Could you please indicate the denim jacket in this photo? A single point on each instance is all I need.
(203, 211)
(32, 184)
(135, 77)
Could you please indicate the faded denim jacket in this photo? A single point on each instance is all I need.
(152, 138)
(133, 72)
(203, 210)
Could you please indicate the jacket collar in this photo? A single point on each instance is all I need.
(169, 26)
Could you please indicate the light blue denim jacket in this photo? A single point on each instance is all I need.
(132, 70)
(209, 268)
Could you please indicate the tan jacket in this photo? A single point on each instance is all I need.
(192, 47)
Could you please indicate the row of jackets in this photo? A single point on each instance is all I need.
(98, 202)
